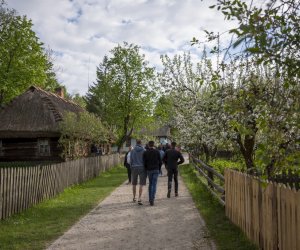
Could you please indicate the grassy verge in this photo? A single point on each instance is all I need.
(39, 225)
(226, 235)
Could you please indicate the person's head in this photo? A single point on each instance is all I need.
(159, 147)
(151, 144)
(139, 142)
(173, 144)
(130, 148)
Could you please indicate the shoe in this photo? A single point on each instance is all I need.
(176, 194)
(151, 203)
(134, 200)
(140, 202)
(128, 183)
(169, 194)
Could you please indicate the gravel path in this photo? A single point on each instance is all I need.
(118, 223)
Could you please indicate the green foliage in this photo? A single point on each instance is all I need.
(221, 164)
(268, 31)
(38, 226)
(23, 61)
(246, 108)
(78, 132)
(78, 99)
(123, 93)
(163, 111)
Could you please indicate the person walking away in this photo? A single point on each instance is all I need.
(167, 147)
(137, 170)
(152, 161)
(162, 153)
(127, 164)
(171, 160)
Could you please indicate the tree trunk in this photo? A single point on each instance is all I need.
(206, 152)
(1, 97)
(126, 133)
(207, 159)
(247, 149)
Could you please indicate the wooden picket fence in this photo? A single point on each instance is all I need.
(23, 187)
(269, 214)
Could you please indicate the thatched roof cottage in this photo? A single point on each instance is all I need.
(29, 125)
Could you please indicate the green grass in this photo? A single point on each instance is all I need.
(41, 224)
(226, 235)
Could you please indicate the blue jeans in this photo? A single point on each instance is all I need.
(153, 176)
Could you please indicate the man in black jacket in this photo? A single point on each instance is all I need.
(171, 158)
(152, 161)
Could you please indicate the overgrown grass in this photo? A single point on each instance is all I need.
(39, 225)
(226, 235)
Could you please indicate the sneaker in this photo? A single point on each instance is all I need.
(140, 202)
(151, 203)
(169, 194)
(134, 200)
(176, 194)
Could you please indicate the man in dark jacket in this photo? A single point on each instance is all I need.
(152, 161)
(171, 158)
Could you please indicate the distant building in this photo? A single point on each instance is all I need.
(161, 134)
(29, 125)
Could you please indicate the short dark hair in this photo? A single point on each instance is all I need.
(139, 142)
(173, 144)
(151, 144)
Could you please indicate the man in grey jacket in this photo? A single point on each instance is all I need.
(137, 169)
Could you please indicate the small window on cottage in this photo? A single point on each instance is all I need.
(44, 147)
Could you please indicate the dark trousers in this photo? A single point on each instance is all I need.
(173, 172)
(129, 173)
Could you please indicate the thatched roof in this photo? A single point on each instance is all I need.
(163, 131)
(35, 113)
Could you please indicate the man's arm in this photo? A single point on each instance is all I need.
(181, 159)
(125, 160)
(165, 157)
(131, 157)
(144, 159)
(159, 158)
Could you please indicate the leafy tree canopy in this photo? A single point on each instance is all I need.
(123, 93)
(23, 60)
(270, 31)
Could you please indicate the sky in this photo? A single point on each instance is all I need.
(82, 32)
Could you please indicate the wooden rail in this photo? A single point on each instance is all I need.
(208, 173)
(267, 212)
(23, 187)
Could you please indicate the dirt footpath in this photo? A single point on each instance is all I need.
(118, 223)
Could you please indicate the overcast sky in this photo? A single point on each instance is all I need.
(81, 32)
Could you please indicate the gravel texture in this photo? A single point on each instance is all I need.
(118, 223)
